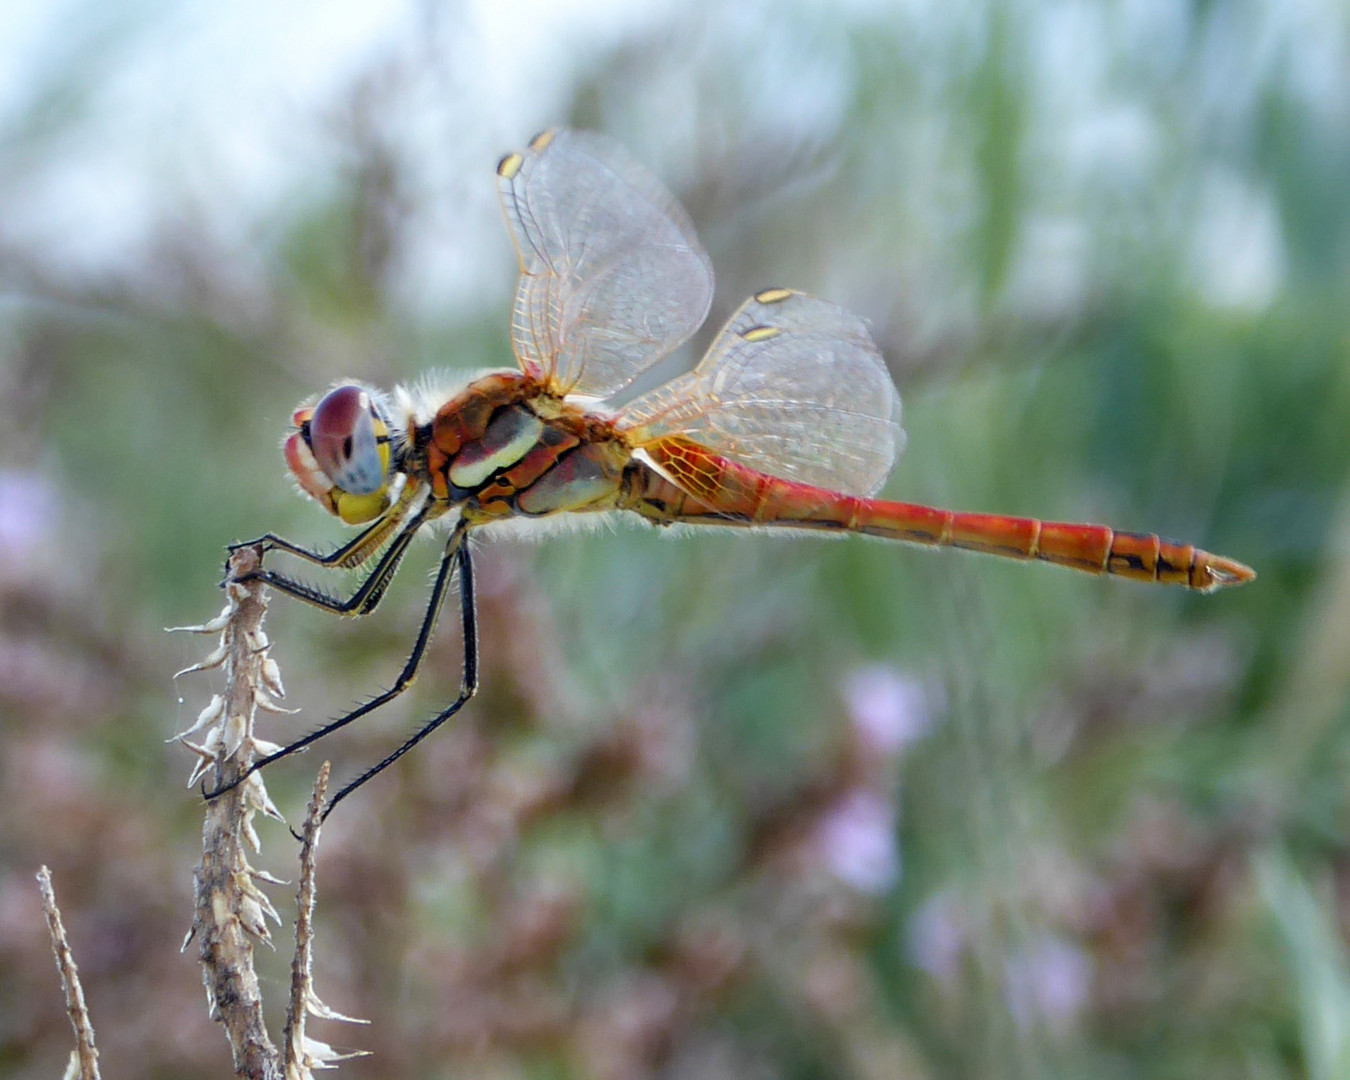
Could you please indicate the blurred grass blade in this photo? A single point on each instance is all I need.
(1317, 963)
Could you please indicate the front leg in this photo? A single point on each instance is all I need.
(349, 555)
(369, 593)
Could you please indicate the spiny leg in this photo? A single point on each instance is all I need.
(369, 593)
(349, 555)
(468, 682)
(456, 554)
(358, 549)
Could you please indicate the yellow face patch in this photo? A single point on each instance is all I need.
(358, 509)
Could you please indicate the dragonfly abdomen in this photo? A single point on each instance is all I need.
(1094, 549)
(736, 494)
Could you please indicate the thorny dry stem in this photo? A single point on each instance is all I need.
(302, 1054)
(231, 911)
(302, 964)
(86, 1053)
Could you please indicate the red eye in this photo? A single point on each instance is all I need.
(342, 438)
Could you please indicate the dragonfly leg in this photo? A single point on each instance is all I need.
(351, 554)
(356, 550)
(468, 681)
(456, 557)
(368, 594)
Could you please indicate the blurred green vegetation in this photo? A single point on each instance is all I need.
(736, 805)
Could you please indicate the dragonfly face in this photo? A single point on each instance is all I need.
(339, 453)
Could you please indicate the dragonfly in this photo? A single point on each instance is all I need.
(789, 421)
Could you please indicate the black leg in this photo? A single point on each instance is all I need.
(468, 683)
(456, 555)
(368, 594)
(351, 554)
(338, 557)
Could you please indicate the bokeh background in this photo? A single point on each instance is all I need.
(728, 805)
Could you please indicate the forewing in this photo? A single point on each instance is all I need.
(612, 276)
(792, 386)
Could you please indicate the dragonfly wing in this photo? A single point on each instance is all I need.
(612, 276)
(792, 386)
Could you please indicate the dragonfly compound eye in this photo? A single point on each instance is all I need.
(350, 443)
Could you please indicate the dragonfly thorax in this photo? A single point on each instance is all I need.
(502, 448)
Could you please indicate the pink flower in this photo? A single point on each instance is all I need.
(1048, 980)
(890, 709)
(29, 517)
(857, 841)
(937, 937)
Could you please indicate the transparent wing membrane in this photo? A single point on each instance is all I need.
(792, 386)
(612, 276)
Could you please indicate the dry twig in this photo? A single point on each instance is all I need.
(86, 1053)
(302, 964)
(231, 911)
(303, 1054)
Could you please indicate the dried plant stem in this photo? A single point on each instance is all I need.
(302, 965)
(85, 1050)
(229, 907)
(304, 1054)
(231, 911)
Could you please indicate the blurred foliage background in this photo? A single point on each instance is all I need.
(728, 805)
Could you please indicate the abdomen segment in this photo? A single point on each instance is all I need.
(1095, 549)
(710, 489)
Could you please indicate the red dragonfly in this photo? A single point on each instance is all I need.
(790, 420)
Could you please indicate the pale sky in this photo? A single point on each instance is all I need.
(221, 115)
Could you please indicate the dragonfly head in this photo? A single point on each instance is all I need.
(339, 453)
